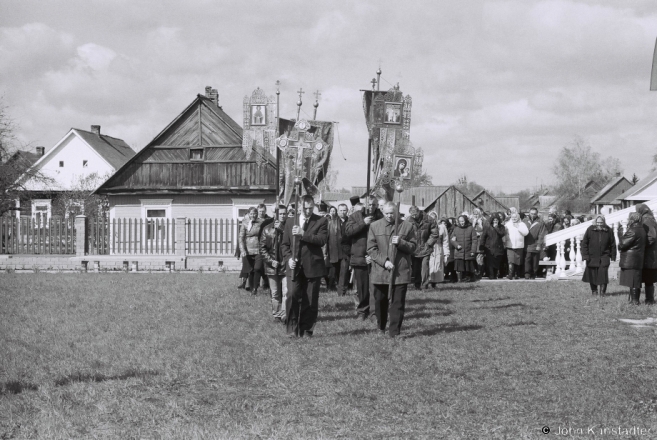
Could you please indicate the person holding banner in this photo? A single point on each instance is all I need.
(302, 252)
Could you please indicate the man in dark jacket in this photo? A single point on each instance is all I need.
(356, 229)
(304, 259)
(272, 256)
(338, 249)
(534, 242)
(649, 275)
(426, 233)
(391, 252)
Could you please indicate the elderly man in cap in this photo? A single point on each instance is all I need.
(390, 249)
(356, 229)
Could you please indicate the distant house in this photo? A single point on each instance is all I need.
(644, 190)
(607, 199)
(489, 203)
(195, 168)
(510, 201)
(451, 202)
(78, 155)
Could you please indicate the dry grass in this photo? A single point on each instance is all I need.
(189, 356)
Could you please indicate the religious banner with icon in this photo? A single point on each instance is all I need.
(388, 118)
(305, 153)
(259, 125)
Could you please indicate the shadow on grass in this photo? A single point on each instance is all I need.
(425, 301)
(521, 323)
(421, 315)
(444, 328)
(491, 299)
(98, 377)
(507, 306)
(329, 318)
(16, 387)
(342, 307)
(359, 331)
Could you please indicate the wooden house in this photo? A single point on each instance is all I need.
(79, 155)
(194, 168)
(489, 203)
(607, 199)
(510, 201)
(450, 203)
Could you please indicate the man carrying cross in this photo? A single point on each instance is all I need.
(305, 268)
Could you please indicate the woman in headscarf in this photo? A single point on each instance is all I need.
(649, 274)
(491, 244)
(464, 240)
(440, 252)
(598, 250)
(515, 242)
(632, 246)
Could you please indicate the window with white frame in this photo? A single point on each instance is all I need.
(41, 211)
(155, 213)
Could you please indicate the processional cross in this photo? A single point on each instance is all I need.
(300, 145)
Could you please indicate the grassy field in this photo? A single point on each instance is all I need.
(189, 356)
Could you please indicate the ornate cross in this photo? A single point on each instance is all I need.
(317, 95)
(300, 145)
(373, 83)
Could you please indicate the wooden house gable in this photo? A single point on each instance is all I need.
(198, 152)
(451, 203)
(488, 203)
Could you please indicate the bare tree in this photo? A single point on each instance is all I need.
(15, 166)
(578, 164)
(80, 198)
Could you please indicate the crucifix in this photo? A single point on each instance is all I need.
(316, 104)
(298, 146)
(299, 102)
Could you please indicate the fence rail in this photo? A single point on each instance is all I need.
(139, 236)
(211, 236)
(27, 236)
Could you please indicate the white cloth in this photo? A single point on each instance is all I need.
(515, 234)
(437, 258)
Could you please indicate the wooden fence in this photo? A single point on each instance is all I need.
(137, 236)
(26, 236)
(211, 236)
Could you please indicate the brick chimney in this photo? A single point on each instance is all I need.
(40, 151)
(212, 94)
(618, 174)
(95, 129)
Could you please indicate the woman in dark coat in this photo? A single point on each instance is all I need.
(491, 243)
(598, 249)
(464, 239)
(649, 274)
(632, 246)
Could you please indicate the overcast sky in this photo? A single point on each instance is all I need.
(498, 87)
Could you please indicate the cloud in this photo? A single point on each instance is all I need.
(498, 87)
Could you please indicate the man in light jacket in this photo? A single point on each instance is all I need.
(515, 243)
(391, 252)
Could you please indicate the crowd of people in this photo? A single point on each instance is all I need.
(359, 248)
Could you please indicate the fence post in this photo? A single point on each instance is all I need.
(180, 236)
(81, 246)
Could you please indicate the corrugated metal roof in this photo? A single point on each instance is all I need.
(600, 196)
(640, 185)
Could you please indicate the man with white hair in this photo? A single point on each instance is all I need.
(390, 249)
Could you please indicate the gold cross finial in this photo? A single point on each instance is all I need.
(317, 95)
(300, 92)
